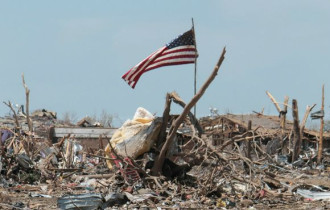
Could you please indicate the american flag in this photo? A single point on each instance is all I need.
(181, 50)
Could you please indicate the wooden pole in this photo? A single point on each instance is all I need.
(319, 154)
(161, 157)
(296, 131)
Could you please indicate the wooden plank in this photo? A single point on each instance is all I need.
(60, 132)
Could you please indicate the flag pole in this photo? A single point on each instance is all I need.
(195, 72)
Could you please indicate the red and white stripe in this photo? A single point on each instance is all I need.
(162, 57)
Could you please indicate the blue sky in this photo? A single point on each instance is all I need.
(73, 54)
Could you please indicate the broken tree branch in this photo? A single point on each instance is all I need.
(9, 104)
(307, 112)
(274, 101)
(193, 120)
(160, 159)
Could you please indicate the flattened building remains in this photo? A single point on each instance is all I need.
(265, 129)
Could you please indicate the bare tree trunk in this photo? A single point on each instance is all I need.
(296, 131)
(319, 154)
(160, 159)
(27, 94)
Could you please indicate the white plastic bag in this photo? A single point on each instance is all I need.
(135, 137)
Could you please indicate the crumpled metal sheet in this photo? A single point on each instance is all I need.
(317, 115)
(314, 195)
(90, 201)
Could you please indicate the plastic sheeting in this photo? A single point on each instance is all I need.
(136, 136)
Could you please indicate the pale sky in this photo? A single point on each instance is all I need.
(73, 54)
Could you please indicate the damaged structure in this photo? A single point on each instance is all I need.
(160, 162)
(267, 128)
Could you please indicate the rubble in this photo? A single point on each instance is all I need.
(220, 162)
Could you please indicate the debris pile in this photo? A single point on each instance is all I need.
(201, 170)
(174, 161)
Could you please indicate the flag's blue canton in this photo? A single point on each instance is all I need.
(185, 39)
